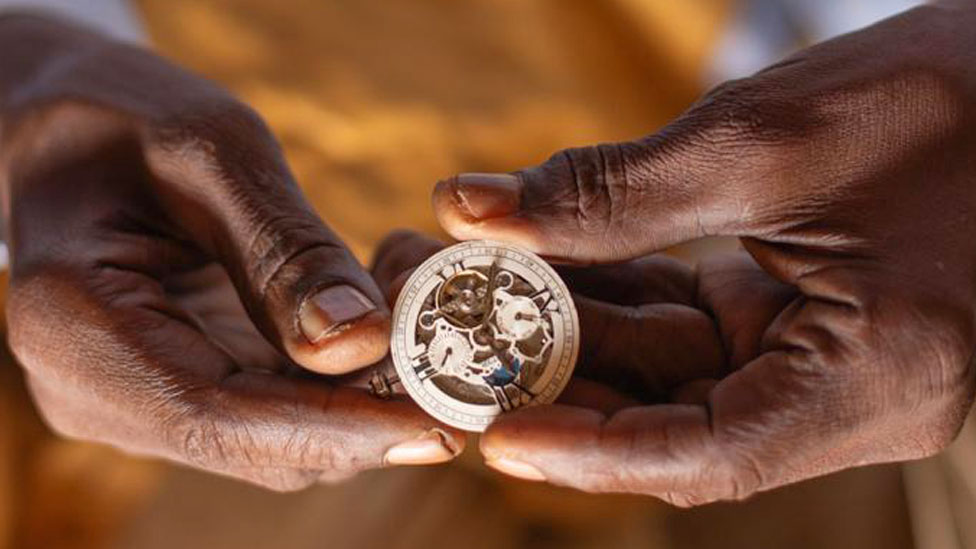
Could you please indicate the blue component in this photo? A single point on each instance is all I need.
(502, 376)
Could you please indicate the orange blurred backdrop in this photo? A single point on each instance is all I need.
(374, 100)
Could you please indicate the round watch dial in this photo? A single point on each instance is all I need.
(482, 328)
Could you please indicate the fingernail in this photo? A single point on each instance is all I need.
(515, 468)
(332, 310)
(487, 195)
(434, 446)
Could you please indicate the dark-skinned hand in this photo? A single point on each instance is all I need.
(847, 329)
(172, 292)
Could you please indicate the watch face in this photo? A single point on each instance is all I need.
(482, 328)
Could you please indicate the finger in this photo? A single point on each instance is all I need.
(654, 450)
(276, 432)
(761, 427)
(144, 378)
(650, 279)
(728, 281)
(307, 430)
(684, 454)
(228, 187)
(648, 350)
(595, 396)
(694, 392)
(802, 409)
(397, 255)
(697, 177)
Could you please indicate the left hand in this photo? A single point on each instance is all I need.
(172, 291)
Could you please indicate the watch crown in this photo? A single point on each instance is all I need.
(381, 385)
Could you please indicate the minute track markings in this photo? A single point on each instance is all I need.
(540, 294)
(518, 380)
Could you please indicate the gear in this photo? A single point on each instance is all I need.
(462, 299)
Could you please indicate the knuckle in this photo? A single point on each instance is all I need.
(202, 436)
(216, 140)
(212, 120)
(403, 249)
(240, 116)
(279, 455)
(679, 499)
(584, 193)
(337, 463)
(285, 249)
(278, 238)
(599, 183)
(689, 499)
(205, 440)
(200, 442)
(397, 240)
(744, 477)
(593, 189)
(735, 479)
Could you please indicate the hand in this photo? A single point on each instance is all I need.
(170, 283)
(643, 338)
(848, 172)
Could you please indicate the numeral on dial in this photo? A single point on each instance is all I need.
(450, 270)
(503, 400)
(423, 368)
(542, 298)
(521, 388)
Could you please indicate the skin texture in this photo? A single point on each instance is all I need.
(846, 324)
(172, 292)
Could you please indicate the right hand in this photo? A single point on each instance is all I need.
(849, 329)
(170, 283)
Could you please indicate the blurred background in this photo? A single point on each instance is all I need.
(374, 100)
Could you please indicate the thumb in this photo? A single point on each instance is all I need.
(302, 288)
(700, 176)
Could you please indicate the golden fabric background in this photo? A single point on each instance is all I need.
(374, 100)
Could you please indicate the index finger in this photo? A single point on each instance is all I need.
(286, 433)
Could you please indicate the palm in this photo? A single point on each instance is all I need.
(655, 329)
(209, 298)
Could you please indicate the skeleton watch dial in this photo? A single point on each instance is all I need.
(479, 329)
